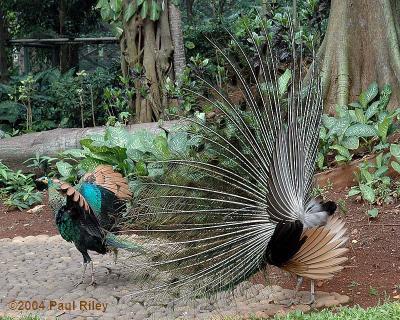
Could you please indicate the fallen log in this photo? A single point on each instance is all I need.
(14, 151)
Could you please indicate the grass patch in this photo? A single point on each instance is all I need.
(387, 311)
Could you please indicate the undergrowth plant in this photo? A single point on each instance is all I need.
(18, 189)
(375, 185)
(361, 127)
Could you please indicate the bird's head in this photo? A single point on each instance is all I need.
(44, 183)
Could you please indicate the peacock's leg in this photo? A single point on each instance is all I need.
(312, 293)
(93, 282)
(298, 285)
(85, 263)
(115, 250)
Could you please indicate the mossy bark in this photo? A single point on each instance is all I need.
(361, 45)
(147, 44)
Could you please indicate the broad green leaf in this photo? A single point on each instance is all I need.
(116, 136)
(116, 28)
(383, 128)
(64, 168)
(395, 151)
(381, 171)
(161, 147)
(355, 105)
(100, 4)
(372, 110)
(351, 143)
(283, 81)
(320, 160)
(368, 177)
(396, 166)
(353, 192)
(378, 160)
(360, 115)
(144, 9)
(178, 142)
(340, 127)
(105, 11)
(130, 11)
(340, 158)
(155, 169)
(368, 95)
(116, 5)
(328, 122)
(341, 149)
(360, 130)
(75, 153)
(373, 213)
(141, 169)
(141, 140)
(155, 10)
(139, 2)
(367, 193)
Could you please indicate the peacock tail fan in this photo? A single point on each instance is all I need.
(208, 219)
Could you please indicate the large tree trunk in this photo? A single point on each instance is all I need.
(148, 44)
(14, 151)
(361, 45)
(3, 52)
(177, 39)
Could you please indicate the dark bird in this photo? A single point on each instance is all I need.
(244, 201)
(89, 214)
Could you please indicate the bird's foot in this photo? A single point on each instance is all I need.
(292, 302)
(92, 283)
(78, 283)
(310, 302)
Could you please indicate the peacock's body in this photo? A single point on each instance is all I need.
(244, 200)
(89, 214)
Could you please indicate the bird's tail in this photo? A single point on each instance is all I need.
(321, 255)
(123, 242)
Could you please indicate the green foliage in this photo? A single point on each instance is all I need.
(133, 154)
(382, 312)
(60, 100)
(18, 189)
(362, 125)
(116, 14)
(374, 184)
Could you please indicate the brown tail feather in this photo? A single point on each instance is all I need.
(321, 255)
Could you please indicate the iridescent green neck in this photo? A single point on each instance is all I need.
(56, 200)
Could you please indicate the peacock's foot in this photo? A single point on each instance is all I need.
(292, 301)
(92, 283)
(78, 283)
(310, 302)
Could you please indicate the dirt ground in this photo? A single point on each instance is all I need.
(371, 276)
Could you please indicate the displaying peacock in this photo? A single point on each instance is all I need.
(89, 214)
(243, 199)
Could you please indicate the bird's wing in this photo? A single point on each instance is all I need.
(106, 177)
(82, 209)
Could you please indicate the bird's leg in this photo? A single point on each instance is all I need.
(312, 293)
(298, 285)
(115, 250)
(85, 263)
(93, 282)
